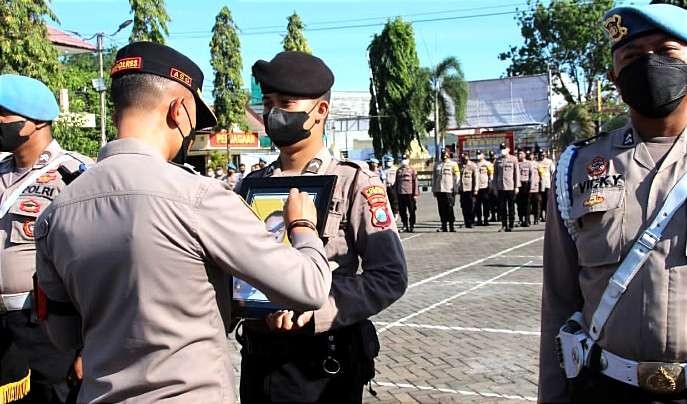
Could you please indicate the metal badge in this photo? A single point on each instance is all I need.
(661, 378)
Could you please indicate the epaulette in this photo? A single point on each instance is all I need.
(591, 140)
(186, 167)
(360, 166)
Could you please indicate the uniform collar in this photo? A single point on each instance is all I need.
(628, 137)
(128, 146)
(317, 165)
(51, 152)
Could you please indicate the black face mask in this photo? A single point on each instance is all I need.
(653, 85)
(285, 128)
(10, 138)
(180, 158)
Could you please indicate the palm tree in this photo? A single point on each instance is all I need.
(449, 94)
(574, 123)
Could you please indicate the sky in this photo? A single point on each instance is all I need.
(474, 31)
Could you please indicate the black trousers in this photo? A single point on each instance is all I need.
(467, 204)
(407, 207)
(535, 205)
(494, 204)
(445, 202)
(592, 387)
(544, 202)
(507, 208)
(482, 207)
(523, 200)
(22, 344)
(393, 199)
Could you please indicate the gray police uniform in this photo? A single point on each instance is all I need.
(26, 194)
(360, 235)
(137, 256)
(506, 181)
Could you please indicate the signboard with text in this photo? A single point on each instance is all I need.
(485, 141)
(237, 140)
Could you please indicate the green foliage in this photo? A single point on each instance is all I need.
(24, 45)
(574, 122)
(567, 36)
(78, 71)
(150, 21)
(679, 3)
(447, 77)
(225, 50)
(218, 159)
(398, 108)
(294, 39)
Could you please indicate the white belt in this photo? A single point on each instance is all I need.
(657, 377)
(15, 302)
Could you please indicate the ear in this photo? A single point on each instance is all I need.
(322, 110)
(29, 128)
(174, 113)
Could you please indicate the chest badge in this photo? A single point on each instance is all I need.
(594, 200)
(597, 167)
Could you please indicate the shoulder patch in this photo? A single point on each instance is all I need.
(379, 208)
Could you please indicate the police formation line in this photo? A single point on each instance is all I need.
(128, 300)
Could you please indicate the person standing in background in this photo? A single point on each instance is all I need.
(485, 175)
(408, 192)
(445, 183)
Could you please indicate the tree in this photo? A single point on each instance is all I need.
(567, 37)
(294, 39)
(24, 45)
(448, 95)
(150, 21)
(574, 123)
(398, 109)
(225, 50)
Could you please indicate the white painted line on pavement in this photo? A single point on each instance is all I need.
(408, 238)
(462, 329)
(491, 283)
(473, 263)
(523, 256)
(454, 391)
(448, 299)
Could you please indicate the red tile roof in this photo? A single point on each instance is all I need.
(68, 41)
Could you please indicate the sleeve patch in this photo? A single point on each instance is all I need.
(379, 208)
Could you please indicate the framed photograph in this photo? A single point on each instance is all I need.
(267, 197)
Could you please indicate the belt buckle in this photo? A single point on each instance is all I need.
(660, 377)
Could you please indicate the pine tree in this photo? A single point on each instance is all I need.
(24, 45)
(150, 21)
(225, 50)
(294, 39)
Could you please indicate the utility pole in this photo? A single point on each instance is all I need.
(436, 122)
(101, 89)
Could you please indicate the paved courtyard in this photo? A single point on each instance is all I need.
(467, 329)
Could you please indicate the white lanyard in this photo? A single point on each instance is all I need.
(12, 198)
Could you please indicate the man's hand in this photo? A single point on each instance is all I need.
(78, 368)
(282, 320)
(299, 206)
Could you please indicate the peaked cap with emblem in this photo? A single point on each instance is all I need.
(294, 73)
(163, 61)
(623, 24)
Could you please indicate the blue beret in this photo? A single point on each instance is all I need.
(231, 166)
(624, 24)
(27, 97)
(373, 160)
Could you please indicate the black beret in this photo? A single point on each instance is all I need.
(294, 73)
(163, 61)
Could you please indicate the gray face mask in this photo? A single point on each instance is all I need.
(285, 128)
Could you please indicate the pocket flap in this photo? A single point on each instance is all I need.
(597, 201)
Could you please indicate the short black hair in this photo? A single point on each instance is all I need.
(137, 91)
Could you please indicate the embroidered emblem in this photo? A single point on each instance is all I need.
(379, 208)
(614, 28)
(30, 206)
(181, 76)
(28, 228)
(594, 200)
(47, 177)
(313, 166)
(628, 139)
(135, 63)
(597, 167)
(44, 158)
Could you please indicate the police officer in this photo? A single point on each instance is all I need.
(493, 192)
(445, 184)
(468, 189)
(546, 170)
(390, 180)
(523, 198)
(485, 172)
(614, 249)
(507, 183)
(535, 189)
(327, 355)
(29, 181)
(408, 192)
(373, 165)
(135, 244)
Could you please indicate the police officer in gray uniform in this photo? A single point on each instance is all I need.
(327, 355)
(30, 178)
(614, 250)
(138, 246)
(506, 182)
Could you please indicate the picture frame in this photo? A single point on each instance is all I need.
(266, 196)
